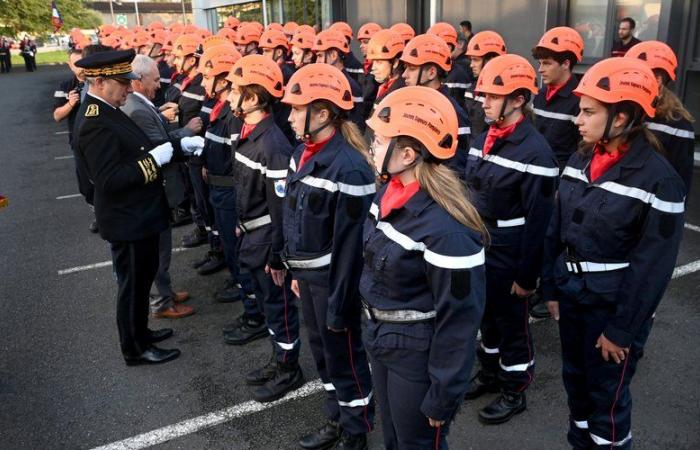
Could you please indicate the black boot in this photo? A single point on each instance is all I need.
(197, 263)
(262, 375)
(216, 263)
(236, 324)
(195, 238)
(350, 442)
(250, 329)
(288, 377)
(324, 438)
(180, 217)
(482, 383)
(231, 292)
(503, 408)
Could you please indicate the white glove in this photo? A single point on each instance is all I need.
(162, 154)
(199, 151)
(191, 144)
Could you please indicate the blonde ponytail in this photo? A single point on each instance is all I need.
(351, 133)
(670, 107)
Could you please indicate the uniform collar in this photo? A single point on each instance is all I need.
(324, 158)
(144, 99)
(100, 99)
(634, 159)
(418, 202)
(521, 132)
(568, 88)
(261, 127)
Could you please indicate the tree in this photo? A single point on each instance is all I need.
(34, 16)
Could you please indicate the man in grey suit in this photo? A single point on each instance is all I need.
(139, 107)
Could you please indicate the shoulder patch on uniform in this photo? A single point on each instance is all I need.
(93, 110)
(460, 283)
(281, 188)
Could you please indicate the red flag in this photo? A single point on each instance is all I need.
(56, 19)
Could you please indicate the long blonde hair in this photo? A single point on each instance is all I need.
(351, 133)
(670, 108)
(442, 185)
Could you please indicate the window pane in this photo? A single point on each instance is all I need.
(589, 18)
(645, 13)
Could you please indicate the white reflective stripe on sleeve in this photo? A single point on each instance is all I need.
(220, 139)
(464, 130)
(516, 367)
(600, 441)
(165, 80)
(206, 110)
(292, 165)
(646, 197)
(199, 98)
(436, 259)
(277, 174)
(489, 351)
(458, 85)
(575, 173)
(328, 386)
(257, 223)
(554, 115)
(374, 210)
(351, 70)
(349, 189)
(358, 99)
(60, 94)
(177, 85)
(586, 266)
(670, 130)
(471, 95)
(282, 173)
(287, 347)
(357, 402)
(582, 424)
(516, 165)
(511, 222)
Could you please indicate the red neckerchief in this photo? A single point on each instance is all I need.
(384, 87)
(216, 110)
(249, 127)
(396, 196)
(553, 89)
(174, 76)
(367, 66)
(603, 160)
(311, 148)
(499, 133)
(184, 83)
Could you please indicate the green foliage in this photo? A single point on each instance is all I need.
(58, 56)
(34, 16)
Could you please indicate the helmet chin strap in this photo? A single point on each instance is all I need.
(309, 134)
(503, 115)
(384, 175)
(241, 113)
(182, 66)
(217, 92)
(612, 112)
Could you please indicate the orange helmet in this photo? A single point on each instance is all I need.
(485, 42)
(228, 34)
(140, 39)
(505, 74)
(185, 45)
(176, 27)
(80, 43)
(218, 60)
(328, 39)
(343, 28)
(427, 49)
(274, 26)
(247, 34)
(290, 27)
(305, 29)
(616, 80)
(232, 23)
(106, 29)
(404, 30)
(368, 30)
(190, 28)
(111, 41)
(562, 39)
(273, 38)
(318, 82)
(159, 37)
(385, 44)
(445, 31)
(657, 55)
(213, 41)
(260, 70)
(260, 27)
(304, 41)
(417, 112)
(155, 26)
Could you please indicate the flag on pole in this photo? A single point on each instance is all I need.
(56, 19)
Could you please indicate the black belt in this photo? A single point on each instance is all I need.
(218, 180)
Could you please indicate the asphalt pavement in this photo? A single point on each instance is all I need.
(63, 383)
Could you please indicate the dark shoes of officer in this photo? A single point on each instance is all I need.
(231, 292)
(287, 377)
(152, 355)
(540, 311)
(327, 436)
(482, 383)
(261, 375)
(159, 335)
(180, 217)
(503, 408)
(247, 330)
(350, 442)
(195, 238)
(93, 227)
(214, 263)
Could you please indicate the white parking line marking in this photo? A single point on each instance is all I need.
(63, 197)
(61, 132)
(692, 227)
(686, 269)
(195, 424)
(101, 264)
(64, 157)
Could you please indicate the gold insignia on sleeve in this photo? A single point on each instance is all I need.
(149, 169)
(93, 110)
